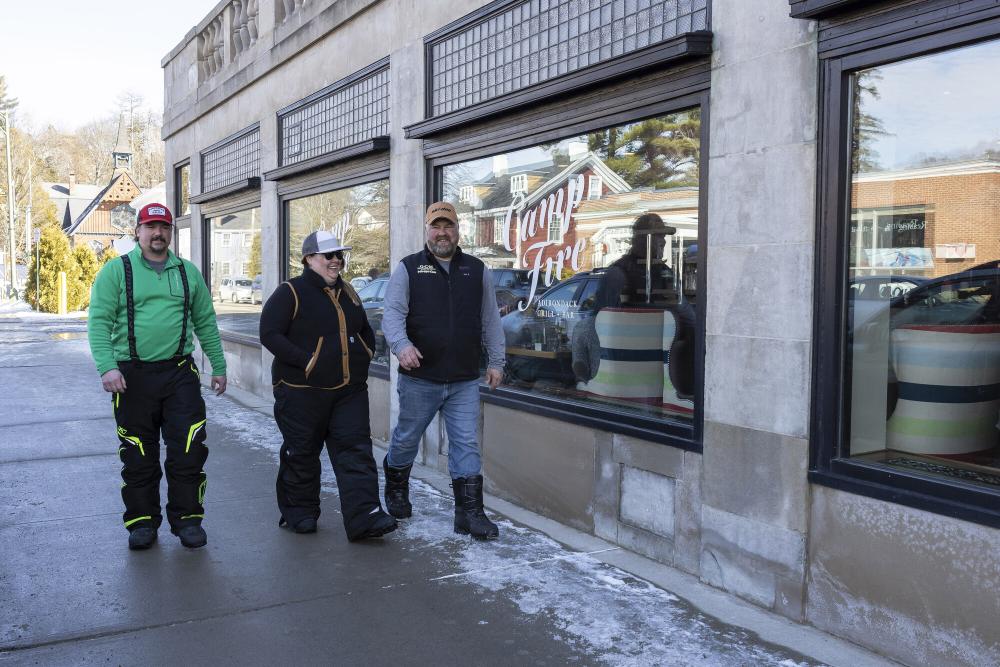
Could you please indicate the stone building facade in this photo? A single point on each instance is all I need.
(708, 426)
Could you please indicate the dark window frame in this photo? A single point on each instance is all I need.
(818, 8)
(829, 463)
(374, 370)
(573, 119)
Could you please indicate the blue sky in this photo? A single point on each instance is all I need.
(942, 105)
(67, 60)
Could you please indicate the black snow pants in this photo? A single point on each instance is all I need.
(308, 418)
(161, 397)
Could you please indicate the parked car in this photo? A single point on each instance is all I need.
(870, 295)
(517, 281)
(538, 338)
(240, 289)
(359, 282)
(966, 297)
(512, 286)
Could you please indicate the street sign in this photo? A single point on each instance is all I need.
(37, 234)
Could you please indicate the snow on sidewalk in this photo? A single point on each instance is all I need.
(602, 610)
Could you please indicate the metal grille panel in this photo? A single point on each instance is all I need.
(537, 40)
(343, 117)
(232, 162)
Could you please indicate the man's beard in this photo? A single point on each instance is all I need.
(443, 248)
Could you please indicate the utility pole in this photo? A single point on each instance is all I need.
(11, 247)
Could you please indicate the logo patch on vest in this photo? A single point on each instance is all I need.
(426, 268)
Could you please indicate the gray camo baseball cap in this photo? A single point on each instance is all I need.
(322, 241)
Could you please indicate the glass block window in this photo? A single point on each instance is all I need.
(232, 162)
(345, 116)
(537, 40)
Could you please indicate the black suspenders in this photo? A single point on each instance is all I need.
(130, 309)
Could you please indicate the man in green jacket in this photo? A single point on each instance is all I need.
(143, 310)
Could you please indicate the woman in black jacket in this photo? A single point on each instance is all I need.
(318, 332)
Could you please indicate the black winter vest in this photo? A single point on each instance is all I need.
(445, 316)
(304, 319)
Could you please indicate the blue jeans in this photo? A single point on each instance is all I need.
(419, 401)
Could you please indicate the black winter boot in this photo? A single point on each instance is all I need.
(193, 537)
(397, 490)
(141, 537)
(469, 515)
(381, 524)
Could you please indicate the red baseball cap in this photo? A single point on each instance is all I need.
(154, 213)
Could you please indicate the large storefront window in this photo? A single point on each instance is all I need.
(360, 217)
(923, 266)
(593, 245)
(235, 254)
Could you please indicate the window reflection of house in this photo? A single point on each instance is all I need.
(594, 187)
(232, 244)
(607, 223)
(518, 184)
(555, 224)
(604, 211)
(498, 235)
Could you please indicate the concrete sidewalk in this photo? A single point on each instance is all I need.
(543, 594)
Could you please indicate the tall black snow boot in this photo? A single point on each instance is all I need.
(469, 515)
(397, 490)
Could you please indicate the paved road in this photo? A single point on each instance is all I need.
(73, 594)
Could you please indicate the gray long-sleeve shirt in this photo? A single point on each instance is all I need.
(397, 307)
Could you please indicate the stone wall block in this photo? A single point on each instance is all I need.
(647, 501)
(758, 383)
(687, 509)
(754, 560)
(932, 582)
(766, 196)
(751, 117)
(378, 398)
(757, 475)
(742, 24)
(646, 543)
(645, 455)
(761, 290)
(559, 482)
(607, 488)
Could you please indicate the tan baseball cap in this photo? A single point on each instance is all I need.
(439, 210)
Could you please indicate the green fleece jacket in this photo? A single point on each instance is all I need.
(159, 300)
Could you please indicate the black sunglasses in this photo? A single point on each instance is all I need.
(339, 254)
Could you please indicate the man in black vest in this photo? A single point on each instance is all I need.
(440, 310)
